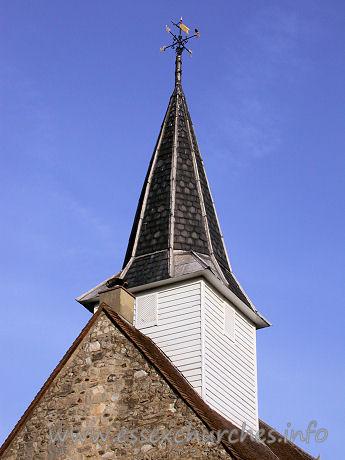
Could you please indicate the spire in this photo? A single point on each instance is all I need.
(176, 230)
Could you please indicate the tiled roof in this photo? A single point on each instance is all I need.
(176, 213)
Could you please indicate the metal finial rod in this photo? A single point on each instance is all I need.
(179, 45)
(178, 69)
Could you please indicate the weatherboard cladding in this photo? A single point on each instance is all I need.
(171, 204)
(230, 369)
(178, 329)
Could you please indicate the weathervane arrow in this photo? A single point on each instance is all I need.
(178, 44)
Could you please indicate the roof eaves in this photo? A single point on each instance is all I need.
(87, 296)
(290, 450)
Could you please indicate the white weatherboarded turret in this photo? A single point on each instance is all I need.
(210, 337)
(188, 300)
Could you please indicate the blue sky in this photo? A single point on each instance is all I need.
(83, 93)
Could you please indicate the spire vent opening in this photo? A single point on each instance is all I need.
(146, 311)
(229, 321)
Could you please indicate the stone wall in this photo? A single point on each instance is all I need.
(108, 385)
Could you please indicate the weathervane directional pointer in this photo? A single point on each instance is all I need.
(179, 45)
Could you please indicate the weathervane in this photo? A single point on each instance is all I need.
(179, 45)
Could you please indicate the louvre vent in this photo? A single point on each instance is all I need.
(146, 311)
(229, 321)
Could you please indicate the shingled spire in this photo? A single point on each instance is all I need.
(176, 230)
(175, 233)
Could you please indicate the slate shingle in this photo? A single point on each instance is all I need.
(142, 272)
